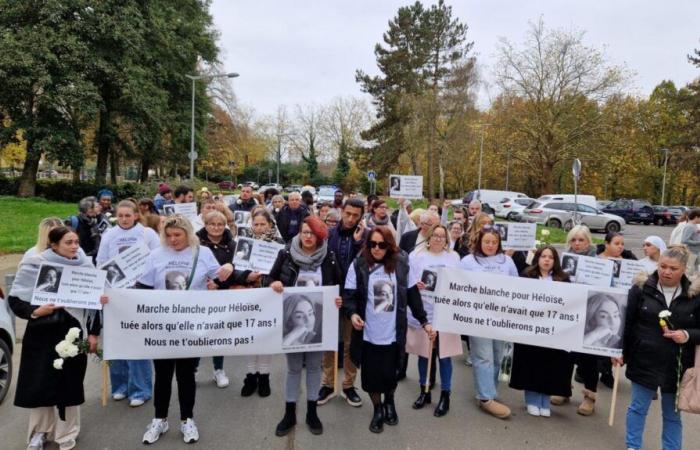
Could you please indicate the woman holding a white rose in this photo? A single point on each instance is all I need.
(52, 387)
(656, 355)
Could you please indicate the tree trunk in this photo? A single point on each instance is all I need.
(113, 166)
(76, 174)
(104, 142)
(546, 181)
(145, 167)
(27, 182)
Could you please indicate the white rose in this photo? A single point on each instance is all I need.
(58, 363)
(73, 350)
(664, 314)
(545, 232)
(73, 334)
(62, 349)
(538, 243)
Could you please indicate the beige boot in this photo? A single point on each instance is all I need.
(495, 408)
(557, 400)
(587, 406)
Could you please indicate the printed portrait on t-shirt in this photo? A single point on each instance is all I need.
(429, 278)
(309, 280)
(302, 319)
(49, 278)
(123, 248)
(383, 296)
(176, 281)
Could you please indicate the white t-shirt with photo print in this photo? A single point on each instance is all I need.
(308, 278)
(380, 312)
(418, 263)
(166, 268)
(117, 239)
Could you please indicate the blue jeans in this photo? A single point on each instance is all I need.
(487, 355)
(536, 399)
(132, 378)
(672, 432)
(445, 372)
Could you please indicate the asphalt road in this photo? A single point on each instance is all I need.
(226, 420)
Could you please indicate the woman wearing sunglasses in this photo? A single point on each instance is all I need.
(374, 299)
(488, 256)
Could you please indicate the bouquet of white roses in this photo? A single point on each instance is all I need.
(70, 346)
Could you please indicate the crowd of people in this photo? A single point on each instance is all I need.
(385, 265)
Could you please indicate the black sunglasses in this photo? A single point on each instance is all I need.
(382, 245)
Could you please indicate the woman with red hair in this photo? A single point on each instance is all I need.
(305, 262)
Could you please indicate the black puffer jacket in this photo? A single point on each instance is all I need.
(223, 252)
(287, 271)
(355, 301)
(284, 219)
(651, 358)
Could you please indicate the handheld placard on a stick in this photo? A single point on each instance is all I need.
(611, 419)
(335, 373)
(430, 363)
(105, 375)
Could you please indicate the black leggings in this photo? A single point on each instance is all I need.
(186, 386)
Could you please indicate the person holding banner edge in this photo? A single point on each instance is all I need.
(181, 254)
(307, 254)
(379, 334)
(258, 366)
(486, 354)
(53, 396)
(540, 371)
(656, 355)
(132, 379)
(423, 264)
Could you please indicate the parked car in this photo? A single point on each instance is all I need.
(510, 208)
(293, 188)
(666, 216)
(491, 196)
(252, 184)
(226, 185)
(267, 186)
(600, 204)
(561, 215)
(632, 210)
(326, 192)
(485, 207)
(570, 198)
(7, 345)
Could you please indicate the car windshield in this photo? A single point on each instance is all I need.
(326, 191)
(524, 201)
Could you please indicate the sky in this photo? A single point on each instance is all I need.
(304, 52)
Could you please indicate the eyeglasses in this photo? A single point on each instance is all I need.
(216, 224)
(438, 237)
(382, 245)
(307, 233)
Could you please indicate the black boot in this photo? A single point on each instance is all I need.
(423, 399)
(288, 421)
(250, 384)
(377, 423)
(263, 384)
(312, 420)
(443, 405)
(390, 416)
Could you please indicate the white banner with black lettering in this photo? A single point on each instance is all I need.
(567, 316)
(406, 186)
(70, 286)
(154, 324)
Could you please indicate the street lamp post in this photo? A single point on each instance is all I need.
(194, 78)
(481, 153)
(663, 185)
(279, 152)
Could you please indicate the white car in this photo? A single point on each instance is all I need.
(326, 193)
(7, 345)
(510, 208)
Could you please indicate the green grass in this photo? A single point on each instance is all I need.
(21, 217)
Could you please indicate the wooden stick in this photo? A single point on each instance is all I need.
(430, 363)
(105, 387)
(335, 373)
(611, 419)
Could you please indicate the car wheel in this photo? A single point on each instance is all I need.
(510, 216)
(660, 222)
(5, 369)
(612, 227)
(648, 222)
(568, 225)
(554, 223)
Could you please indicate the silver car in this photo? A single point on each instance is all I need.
(561, 215)
(7, 345)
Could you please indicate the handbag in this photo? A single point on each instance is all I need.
(689, 394)
(57, 317)
(194, 267)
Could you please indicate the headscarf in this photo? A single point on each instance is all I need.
(656, 242)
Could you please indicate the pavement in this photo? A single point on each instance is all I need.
(226, 420)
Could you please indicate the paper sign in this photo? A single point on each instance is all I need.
(70, 286)
(255, 254)
(124, 269)
(406, 186)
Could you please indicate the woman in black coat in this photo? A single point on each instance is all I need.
(374, 299)
(542, 372)
(651, 351)
(305, 262)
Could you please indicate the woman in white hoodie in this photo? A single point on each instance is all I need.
(488, 256)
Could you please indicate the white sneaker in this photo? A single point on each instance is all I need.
(37, 441)
(545, 412)
(154, 431)
(189, 431)
(136, 402)
(220, 378)
(533, 410)
(118, 397)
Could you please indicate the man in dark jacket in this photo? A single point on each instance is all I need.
(412, 239)
(345, 240)
(291, 216)
(245, 201)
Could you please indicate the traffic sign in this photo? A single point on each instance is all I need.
(192, 155)
(576, 168)
(371, 175)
